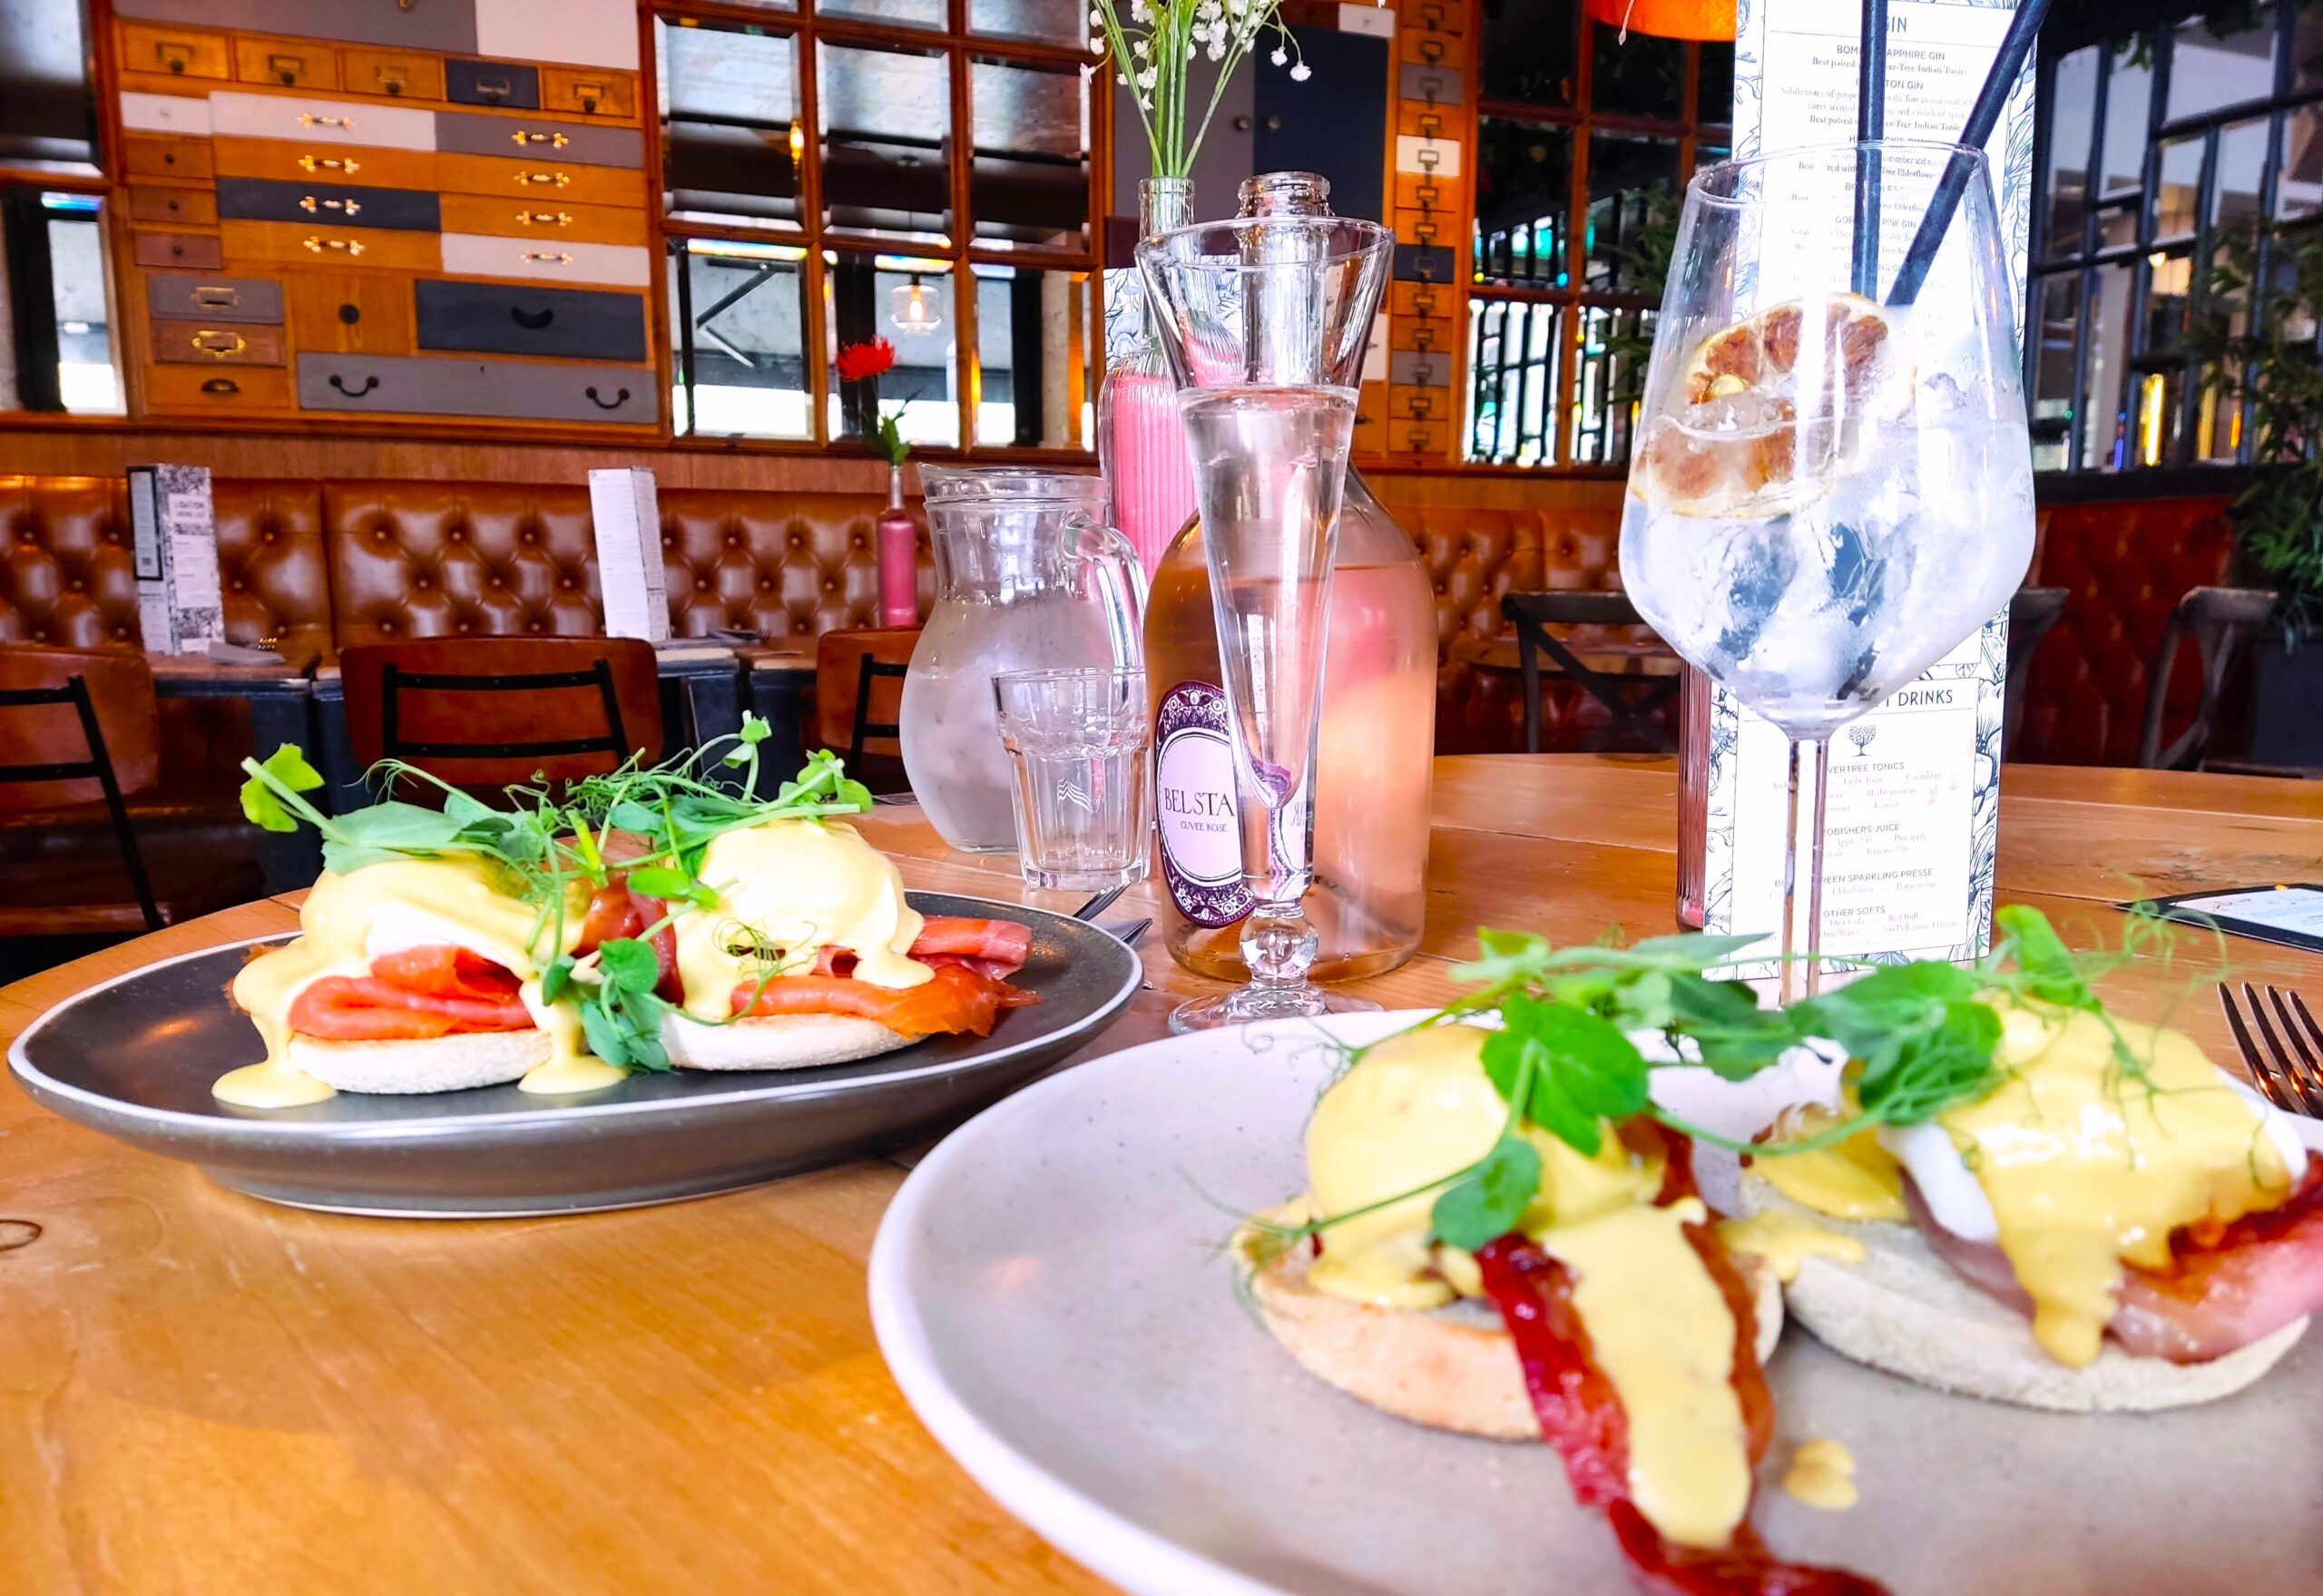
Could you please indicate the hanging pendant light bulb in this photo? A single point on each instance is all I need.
(914, 308)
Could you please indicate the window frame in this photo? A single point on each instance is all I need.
(1572, 302)
(2143, 255)
(959, 49)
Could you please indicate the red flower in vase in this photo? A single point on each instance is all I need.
(859, 361)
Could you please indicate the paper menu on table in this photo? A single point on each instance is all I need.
(1912, 820)
(626, 510)
(181, 604)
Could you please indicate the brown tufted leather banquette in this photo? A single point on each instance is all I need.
(1476, 556)
(2126, 564)
(778, 565)
(436, 559)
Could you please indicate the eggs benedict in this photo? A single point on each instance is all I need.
(410, 975)
(1609, 1318)
(2117, 1224)
(807, 952)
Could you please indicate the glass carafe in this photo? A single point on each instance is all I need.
(1028, 576)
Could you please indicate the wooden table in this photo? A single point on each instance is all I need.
(203, 1394)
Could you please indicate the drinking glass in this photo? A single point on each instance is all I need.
(1078, 741)
(1827, 495)
(1264, 321)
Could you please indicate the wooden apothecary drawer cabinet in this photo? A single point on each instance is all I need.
(339, 208)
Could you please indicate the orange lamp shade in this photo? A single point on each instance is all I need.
(1668, 19)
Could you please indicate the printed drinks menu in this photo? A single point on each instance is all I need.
(1913, 810)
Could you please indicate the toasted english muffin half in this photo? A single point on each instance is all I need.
(1905, 1310)
(1450, 1368)
(778, 1042)
(436, 1063)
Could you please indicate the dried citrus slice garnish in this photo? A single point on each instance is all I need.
(1743, 438)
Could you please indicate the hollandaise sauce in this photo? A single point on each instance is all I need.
(792, 888)
(2089, 1164)
(1856, 1178)
(346, 921)
(1787, 1240)
(1821, 1474)
(1419, 1107)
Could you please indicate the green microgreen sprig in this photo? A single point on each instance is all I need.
(1922, 1038)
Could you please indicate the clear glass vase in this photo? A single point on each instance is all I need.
(1141, 442)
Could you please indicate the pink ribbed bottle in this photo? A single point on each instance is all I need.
(1141, 444)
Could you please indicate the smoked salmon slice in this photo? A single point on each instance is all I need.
(417, 995)
(957, 1001)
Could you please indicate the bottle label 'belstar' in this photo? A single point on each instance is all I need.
(1201, 843)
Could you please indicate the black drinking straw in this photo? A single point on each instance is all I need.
(1871, 124)
(2015, 46)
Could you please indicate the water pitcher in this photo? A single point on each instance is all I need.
(1028, 576)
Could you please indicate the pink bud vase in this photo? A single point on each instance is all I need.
(898, 540)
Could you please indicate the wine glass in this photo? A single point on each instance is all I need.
(1827, 493)
(1264, 321)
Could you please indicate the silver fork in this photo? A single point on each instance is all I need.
(2288, 1068)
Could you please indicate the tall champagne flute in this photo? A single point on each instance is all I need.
(1827, 496)
(1264, 321)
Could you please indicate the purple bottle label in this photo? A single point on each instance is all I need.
(1202, 841)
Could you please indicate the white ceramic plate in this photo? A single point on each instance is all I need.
(1046, 1291)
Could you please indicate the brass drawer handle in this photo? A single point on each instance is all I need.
(553, 140)
(550, 179)
(222, 346)
(329, 163)
(590, 93)
(176, 57)
(319, 245)
(545, 218)
(289, 68)
(222, 387)
(308, 119)
(309, 203)
(211, 296)
(548, 257)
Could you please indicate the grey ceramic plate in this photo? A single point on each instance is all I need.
(1046, 1290)
(135, 1057)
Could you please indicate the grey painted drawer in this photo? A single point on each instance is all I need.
(493, 83)
(415, 385)
(422, 24)
(500, 318)
(247, 299)
(465, 132)
(258, 199)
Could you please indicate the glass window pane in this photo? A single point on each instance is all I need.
(2177, 201)
(1513, 347)
(2242, 172)
(2298, 189)
(2169, 280)
(738, 316)
(902, 14)
(1523, 191)
(2059, 300)
(2073, 103)
(2103, 437)
(48, 113)
(2153, 435)
(1529, 51)
(1056, 22)
(886, 124)
(1029, 183)
(2213, 65)
(731, 142)
(2117, 227)
(2307, 51)
(1031, 345)
(1714, 91)
(1608, 373)
(1632, 208)
(909, 302)
(1638, 76)
(2129, 102)
(53, 272)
